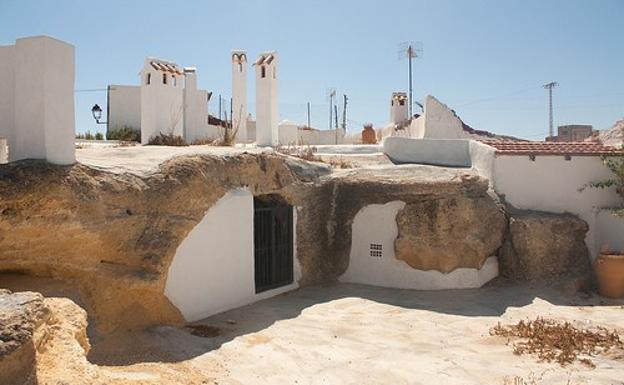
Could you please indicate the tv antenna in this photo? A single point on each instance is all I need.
(331, 94)
(410, 50)
(549, 87)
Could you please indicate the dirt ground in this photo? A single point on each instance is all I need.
(355, 334)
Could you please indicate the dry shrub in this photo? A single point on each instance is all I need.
(207, 331)
(204, 141)
(340, 163)
(303, 152)
(167, 140)
(551, 340)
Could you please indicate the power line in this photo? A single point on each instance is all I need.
(498, 96)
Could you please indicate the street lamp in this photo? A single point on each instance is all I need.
(96, 111)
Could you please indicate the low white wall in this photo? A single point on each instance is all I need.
(313, 137)
(482, 159)
(213, 269)
(551, 183)
(288, 133)
(377, 224)
(439, 152)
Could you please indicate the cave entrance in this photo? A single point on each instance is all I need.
(273, 242)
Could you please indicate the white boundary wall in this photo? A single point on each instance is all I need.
(376, 223)
(124, 107)
(213, 268)
(37, 99)
(551, 183)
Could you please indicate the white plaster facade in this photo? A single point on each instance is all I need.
(213, 268)
(239, 94)
(124, 107)
(37, 99)
(167, 101)
(267, 113)
(552, 183)
(439, 152)
(438, 121)
(387, 270)
(399, 111)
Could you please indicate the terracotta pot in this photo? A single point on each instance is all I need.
(609, 270)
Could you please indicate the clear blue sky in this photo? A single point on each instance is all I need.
(485, 59)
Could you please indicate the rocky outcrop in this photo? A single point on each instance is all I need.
(113, 236)
(451, 232)
(21, 314)
(442, 205)
(544, 246)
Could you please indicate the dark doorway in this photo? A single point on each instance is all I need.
(273, 242)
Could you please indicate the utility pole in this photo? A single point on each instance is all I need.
(220, 115)
(331, 92)
(344, 114)
(336, 119)
(549, 87)
(308, 114)
(411, 50)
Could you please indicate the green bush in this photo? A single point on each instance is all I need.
(126, 134)
(99, 136)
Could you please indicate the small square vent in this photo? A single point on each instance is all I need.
(376, 250)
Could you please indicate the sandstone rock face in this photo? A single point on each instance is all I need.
(544, 246)
(449, 220)
(20, 316)
(444, 234)
(113, 236)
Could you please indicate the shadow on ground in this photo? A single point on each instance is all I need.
(172, 344)
(175, 344)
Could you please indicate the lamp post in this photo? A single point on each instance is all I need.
(96, 111)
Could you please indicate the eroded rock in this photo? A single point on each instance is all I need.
(20, 316)
(448, 233)
(544, 246)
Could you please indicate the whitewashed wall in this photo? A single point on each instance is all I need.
(609, 231)
(377, 224)
(195, 110)
(124, 107)
(267, 112)
(551, 183)
(7, 94)
(213, 268)
(439, 122)
(288, 133)
(37, 99)
(239, 94)
(162, 108)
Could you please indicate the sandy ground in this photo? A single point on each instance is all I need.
(343, 334)
(355, 334)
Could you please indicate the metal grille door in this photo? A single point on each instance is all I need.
(273, 245)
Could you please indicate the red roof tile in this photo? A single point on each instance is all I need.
(552, 148)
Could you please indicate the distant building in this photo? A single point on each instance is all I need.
(572, 133)
(167, 102)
